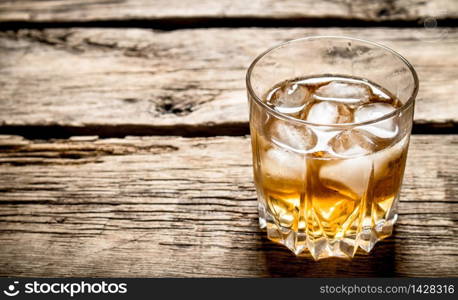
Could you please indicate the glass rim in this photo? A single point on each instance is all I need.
(286, 117)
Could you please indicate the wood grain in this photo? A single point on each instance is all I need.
(79, 10)
(117, 82)
(155, 206)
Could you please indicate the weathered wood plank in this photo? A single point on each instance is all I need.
(78, 10)
(116, 82)
(186, 207)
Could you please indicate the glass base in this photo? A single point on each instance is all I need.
(325, 247)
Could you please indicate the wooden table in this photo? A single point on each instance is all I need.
(124, 147)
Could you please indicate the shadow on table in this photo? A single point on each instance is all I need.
(381, 262)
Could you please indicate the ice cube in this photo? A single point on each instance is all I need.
(384, 159)
(344, 92)
(327, 112)
(353, 168)
(290, 98)
(351, 143)
(380, 94)
(352, 174)
(283, 164)
(385, 129)
(294, 137)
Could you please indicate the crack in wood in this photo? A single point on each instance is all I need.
(71, 152)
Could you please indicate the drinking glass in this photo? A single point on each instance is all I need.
(307, 198)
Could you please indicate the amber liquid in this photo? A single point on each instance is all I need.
(331, 203)
(322, 200)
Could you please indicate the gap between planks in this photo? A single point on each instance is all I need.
(169, 24)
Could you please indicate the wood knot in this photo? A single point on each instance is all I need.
(168, 105)
(383, 12)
